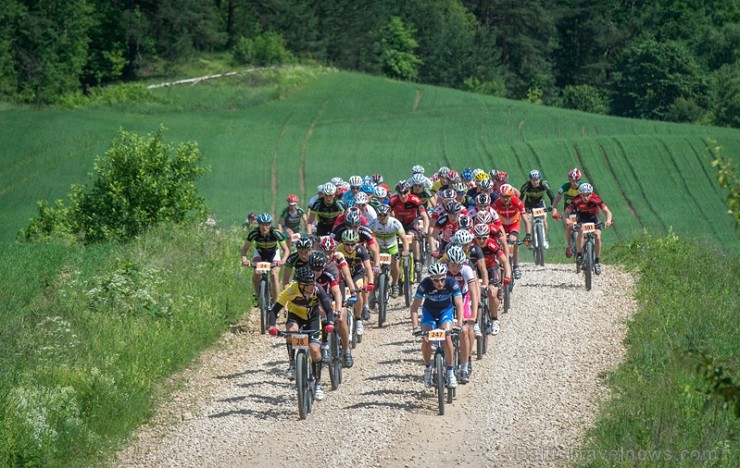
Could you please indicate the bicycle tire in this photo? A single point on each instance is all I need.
(351, 327)
(263, 300)
(301, 383)
(588, 265)
(407, 282)
(540, 245)
(485, 326)
(575, 254)
(507, 295)
(335, 364)
(439, 365)
(455, 365)
(382, 298)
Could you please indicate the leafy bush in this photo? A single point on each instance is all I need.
(138, 183)
(264, 50)
(585, 98)
(113, 94)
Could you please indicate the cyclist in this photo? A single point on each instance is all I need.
(377, 180)
(406, 207)
(511, 210)
(418, 185)
(302, 300)
(380, 197)
(420, 170)
(459, 269)
(327, 277)
(568, 191)
(268, 242)
(355, 184)
(388, 230)
(587, 206)
(359, 264)
(446, 226)
(362, 201)
(461, 194)
(297, 259)
(467, 176)
(325, 210)
(442, 303)
(533, 194)
(251, 221)
(291, 217)
(441, 179)
(493, 254)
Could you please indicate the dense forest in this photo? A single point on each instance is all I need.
(671, 60)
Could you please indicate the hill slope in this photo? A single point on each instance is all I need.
(653, 175)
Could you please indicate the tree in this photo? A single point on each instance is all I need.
(397, 44)
(650, 76)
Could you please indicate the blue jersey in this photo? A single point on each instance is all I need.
(436, 300)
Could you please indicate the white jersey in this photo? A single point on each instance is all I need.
(385, 234)
(370, 214)
(464, 277)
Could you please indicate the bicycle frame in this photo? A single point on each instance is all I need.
(305, 383)
(264, 293)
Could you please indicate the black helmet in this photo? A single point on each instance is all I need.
(305, 275)
(303, 243)
(317, 260)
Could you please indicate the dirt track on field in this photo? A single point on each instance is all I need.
(528, 403)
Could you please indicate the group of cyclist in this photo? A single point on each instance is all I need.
(467, 221)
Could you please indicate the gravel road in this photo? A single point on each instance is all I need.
(528, 403)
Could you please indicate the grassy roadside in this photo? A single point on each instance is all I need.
(658, 413)
(90, 333)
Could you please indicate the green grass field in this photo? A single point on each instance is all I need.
(265, 138)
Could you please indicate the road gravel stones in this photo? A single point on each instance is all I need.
(528, 403)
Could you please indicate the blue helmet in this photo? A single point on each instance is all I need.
(367, 188)
(264, 218)
(467, 174)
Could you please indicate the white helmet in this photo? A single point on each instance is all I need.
(585, 189)
(329, 189)
(361, 197)
(417, 169)
(379, 192)
(456, 255)
(355, 181)
(437, 269)
(463, 236)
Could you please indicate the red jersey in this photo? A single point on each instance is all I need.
(406, 212)
(510, 214)
(588, 207)
(446, 228)
(491, 251)
(339, 221)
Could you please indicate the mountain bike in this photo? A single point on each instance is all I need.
(335, 355)
(264, 294)
(485, 323)
(383, 289)
(404, 280)
(437, 337)
(509, 288)
(538, 234)
(573, 239)
(588, 258)
(304, 379)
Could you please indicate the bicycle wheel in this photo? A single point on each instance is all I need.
(382, 298)
(407, 281)
(302, 383)
(539, 248)
(351, 327)
(455, 365)
(263, 305)
(335, 361)
(575, 254)
(507, 295)
(484, 322)
(588, 265)
(439, 365)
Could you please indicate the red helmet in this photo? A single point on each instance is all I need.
(328, 244)
(503, 176)
(575, 174)
(377, 178)
(292, 199)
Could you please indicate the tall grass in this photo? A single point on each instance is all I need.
(658, 413)
(90, 333)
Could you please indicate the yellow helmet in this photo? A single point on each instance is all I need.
(480, 175)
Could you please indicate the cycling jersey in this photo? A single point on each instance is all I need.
(328, 278)
(266, 246)
(510, 213)
(326, 214)
(294, 261)
(586, 209)
(305, 308)
(436, 300)
(463, 277)
(533, 197)
(568, 192)
(406, 212)
(366, 235)
(386, 234)
(446, 228)
(491, 251)
(292, 220)
(355, 258)
(425, 195)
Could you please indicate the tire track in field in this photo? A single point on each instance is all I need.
(304, 147)
(712, 180)
(688, 190)
(417, 100)
(633, 172)
(630, 205)
(442, 149)
(274, 168)
(518, 160)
